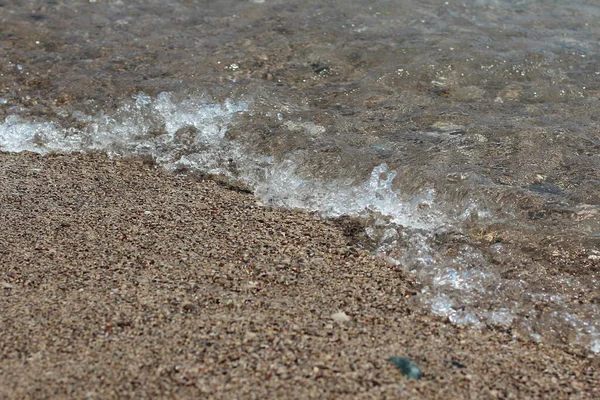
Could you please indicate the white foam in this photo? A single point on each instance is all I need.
(17, 135)
(285, 188)
(132, 131)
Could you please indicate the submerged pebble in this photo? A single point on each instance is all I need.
(447, 128)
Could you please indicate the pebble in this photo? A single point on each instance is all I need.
(340, 317)
(407, 367)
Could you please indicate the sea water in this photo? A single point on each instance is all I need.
(464, 135)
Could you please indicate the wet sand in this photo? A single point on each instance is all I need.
(120, 280)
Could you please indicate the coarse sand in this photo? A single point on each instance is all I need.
(121, 280)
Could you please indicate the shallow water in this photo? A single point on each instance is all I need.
(465, 135)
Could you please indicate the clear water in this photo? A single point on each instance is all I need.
(465, 135)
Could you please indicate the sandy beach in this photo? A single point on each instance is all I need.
(120, 280)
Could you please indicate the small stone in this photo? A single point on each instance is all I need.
(318, 261)
(189, 308)
(407, 367)
(6, 285)
(469, 93)
(340, 317)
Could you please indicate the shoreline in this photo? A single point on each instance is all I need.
(123, 280)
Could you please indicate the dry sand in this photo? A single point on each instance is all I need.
(119, 280)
